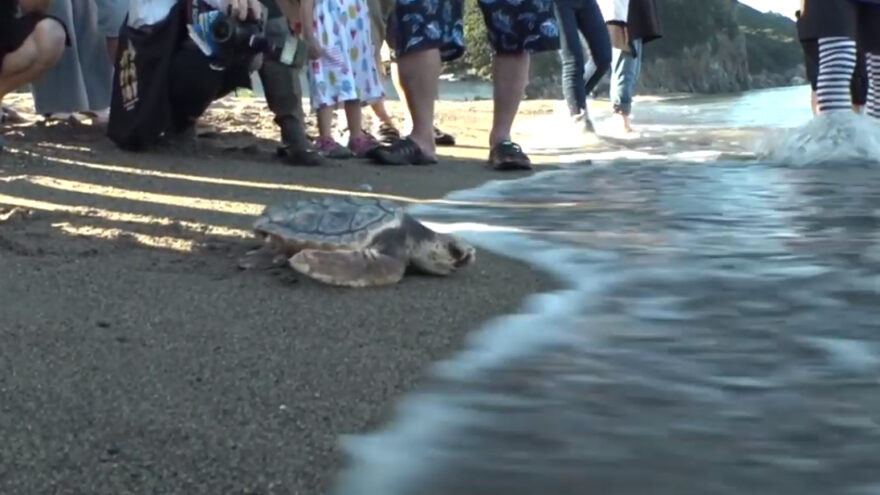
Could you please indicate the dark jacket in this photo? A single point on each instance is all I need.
(643, 20)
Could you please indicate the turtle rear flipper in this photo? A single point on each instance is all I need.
(348, 268)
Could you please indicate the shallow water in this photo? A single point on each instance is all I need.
(719, 333)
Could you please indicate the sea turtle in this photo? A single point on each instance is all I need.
(352, 241)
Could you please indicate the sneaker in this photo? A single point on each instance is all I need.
(327, 146)
(300, 157)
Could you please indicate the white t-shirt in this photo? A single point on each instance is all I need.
(146, 12)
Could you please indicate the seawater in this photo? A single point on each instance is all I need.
(718, 332)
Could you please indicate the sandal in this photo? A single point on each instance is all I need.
(508, 155)
(402, 152)
(362, 145)
(388, 134)
(327, 146)
(443, 138)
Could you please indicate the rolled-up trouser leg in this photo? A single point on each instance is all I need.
(284, 98)
(282, 89)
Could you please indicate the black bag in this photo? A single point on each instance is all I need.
(140, 109)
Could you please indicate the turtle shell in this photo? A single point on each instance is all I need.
(332, 222)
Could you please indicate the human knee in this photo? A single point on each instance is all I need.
(50, 38)
(520, 28)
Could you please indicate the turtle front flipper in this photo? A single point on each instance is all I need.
(265, 257)
(347, 268)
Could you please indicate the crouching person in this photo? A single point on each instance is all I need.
(31, 42)
(165, 81)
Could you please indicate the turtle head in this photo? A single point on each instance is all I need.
(442, 254)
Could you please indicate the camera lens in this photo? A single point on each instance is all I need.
(221, 30)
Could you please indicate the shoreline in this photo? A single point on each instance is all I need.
(144, 360)
(138, 358)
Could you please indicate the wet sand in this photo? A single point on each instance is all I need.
(136, 358)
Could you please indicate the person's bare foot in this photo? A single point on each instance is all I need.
(621, 123)
(10, 116)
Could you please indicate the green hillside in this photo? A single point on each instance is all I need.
(721, 46)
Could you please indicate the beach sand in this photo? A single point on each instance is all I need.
(136, 358)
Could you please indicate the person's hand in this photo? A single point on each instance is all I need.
(242, 9)
(316, 51)
(31, 6)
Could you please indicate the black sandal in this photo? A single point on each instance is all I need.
(508, 155)
(443, 138)
(402, 152)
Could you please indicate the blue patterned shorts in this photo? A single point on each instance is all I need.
(513, 26)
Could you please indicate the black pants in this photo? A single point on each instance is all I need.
(194, 85)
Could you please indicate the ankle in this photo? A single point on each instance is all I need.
(426, 144)
(495, 138)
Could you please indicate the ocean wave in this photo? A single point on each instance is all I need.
(829, 138)
(716, 333)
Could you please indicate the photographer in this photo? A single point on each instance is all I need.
(31, 42)
(164, 81)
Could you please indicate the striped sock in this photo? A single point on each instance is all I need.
(874, 85)
(837, 61)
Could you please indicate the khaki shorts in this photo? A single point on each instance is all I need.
(380, 11)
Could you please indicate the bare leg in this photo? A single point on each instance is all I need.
(354, 117)
(510, 74)
(814, 103)
(381, 112)
(419, 74)
(398, 87)
(325, 122)
(40, 51)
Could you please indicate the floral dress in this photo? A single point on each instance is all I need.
(348, 69)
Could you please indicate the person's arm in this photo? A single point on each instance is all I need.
(291, 11)
(306, 15)
(29, 6)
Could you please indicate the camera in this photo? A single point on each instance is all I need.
(234, 39)
(232, 35)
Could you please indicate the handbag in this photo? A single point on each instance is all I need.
(140, 108)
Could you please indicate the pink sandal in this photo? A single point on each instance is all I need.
(362, 145)
(327, 146)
